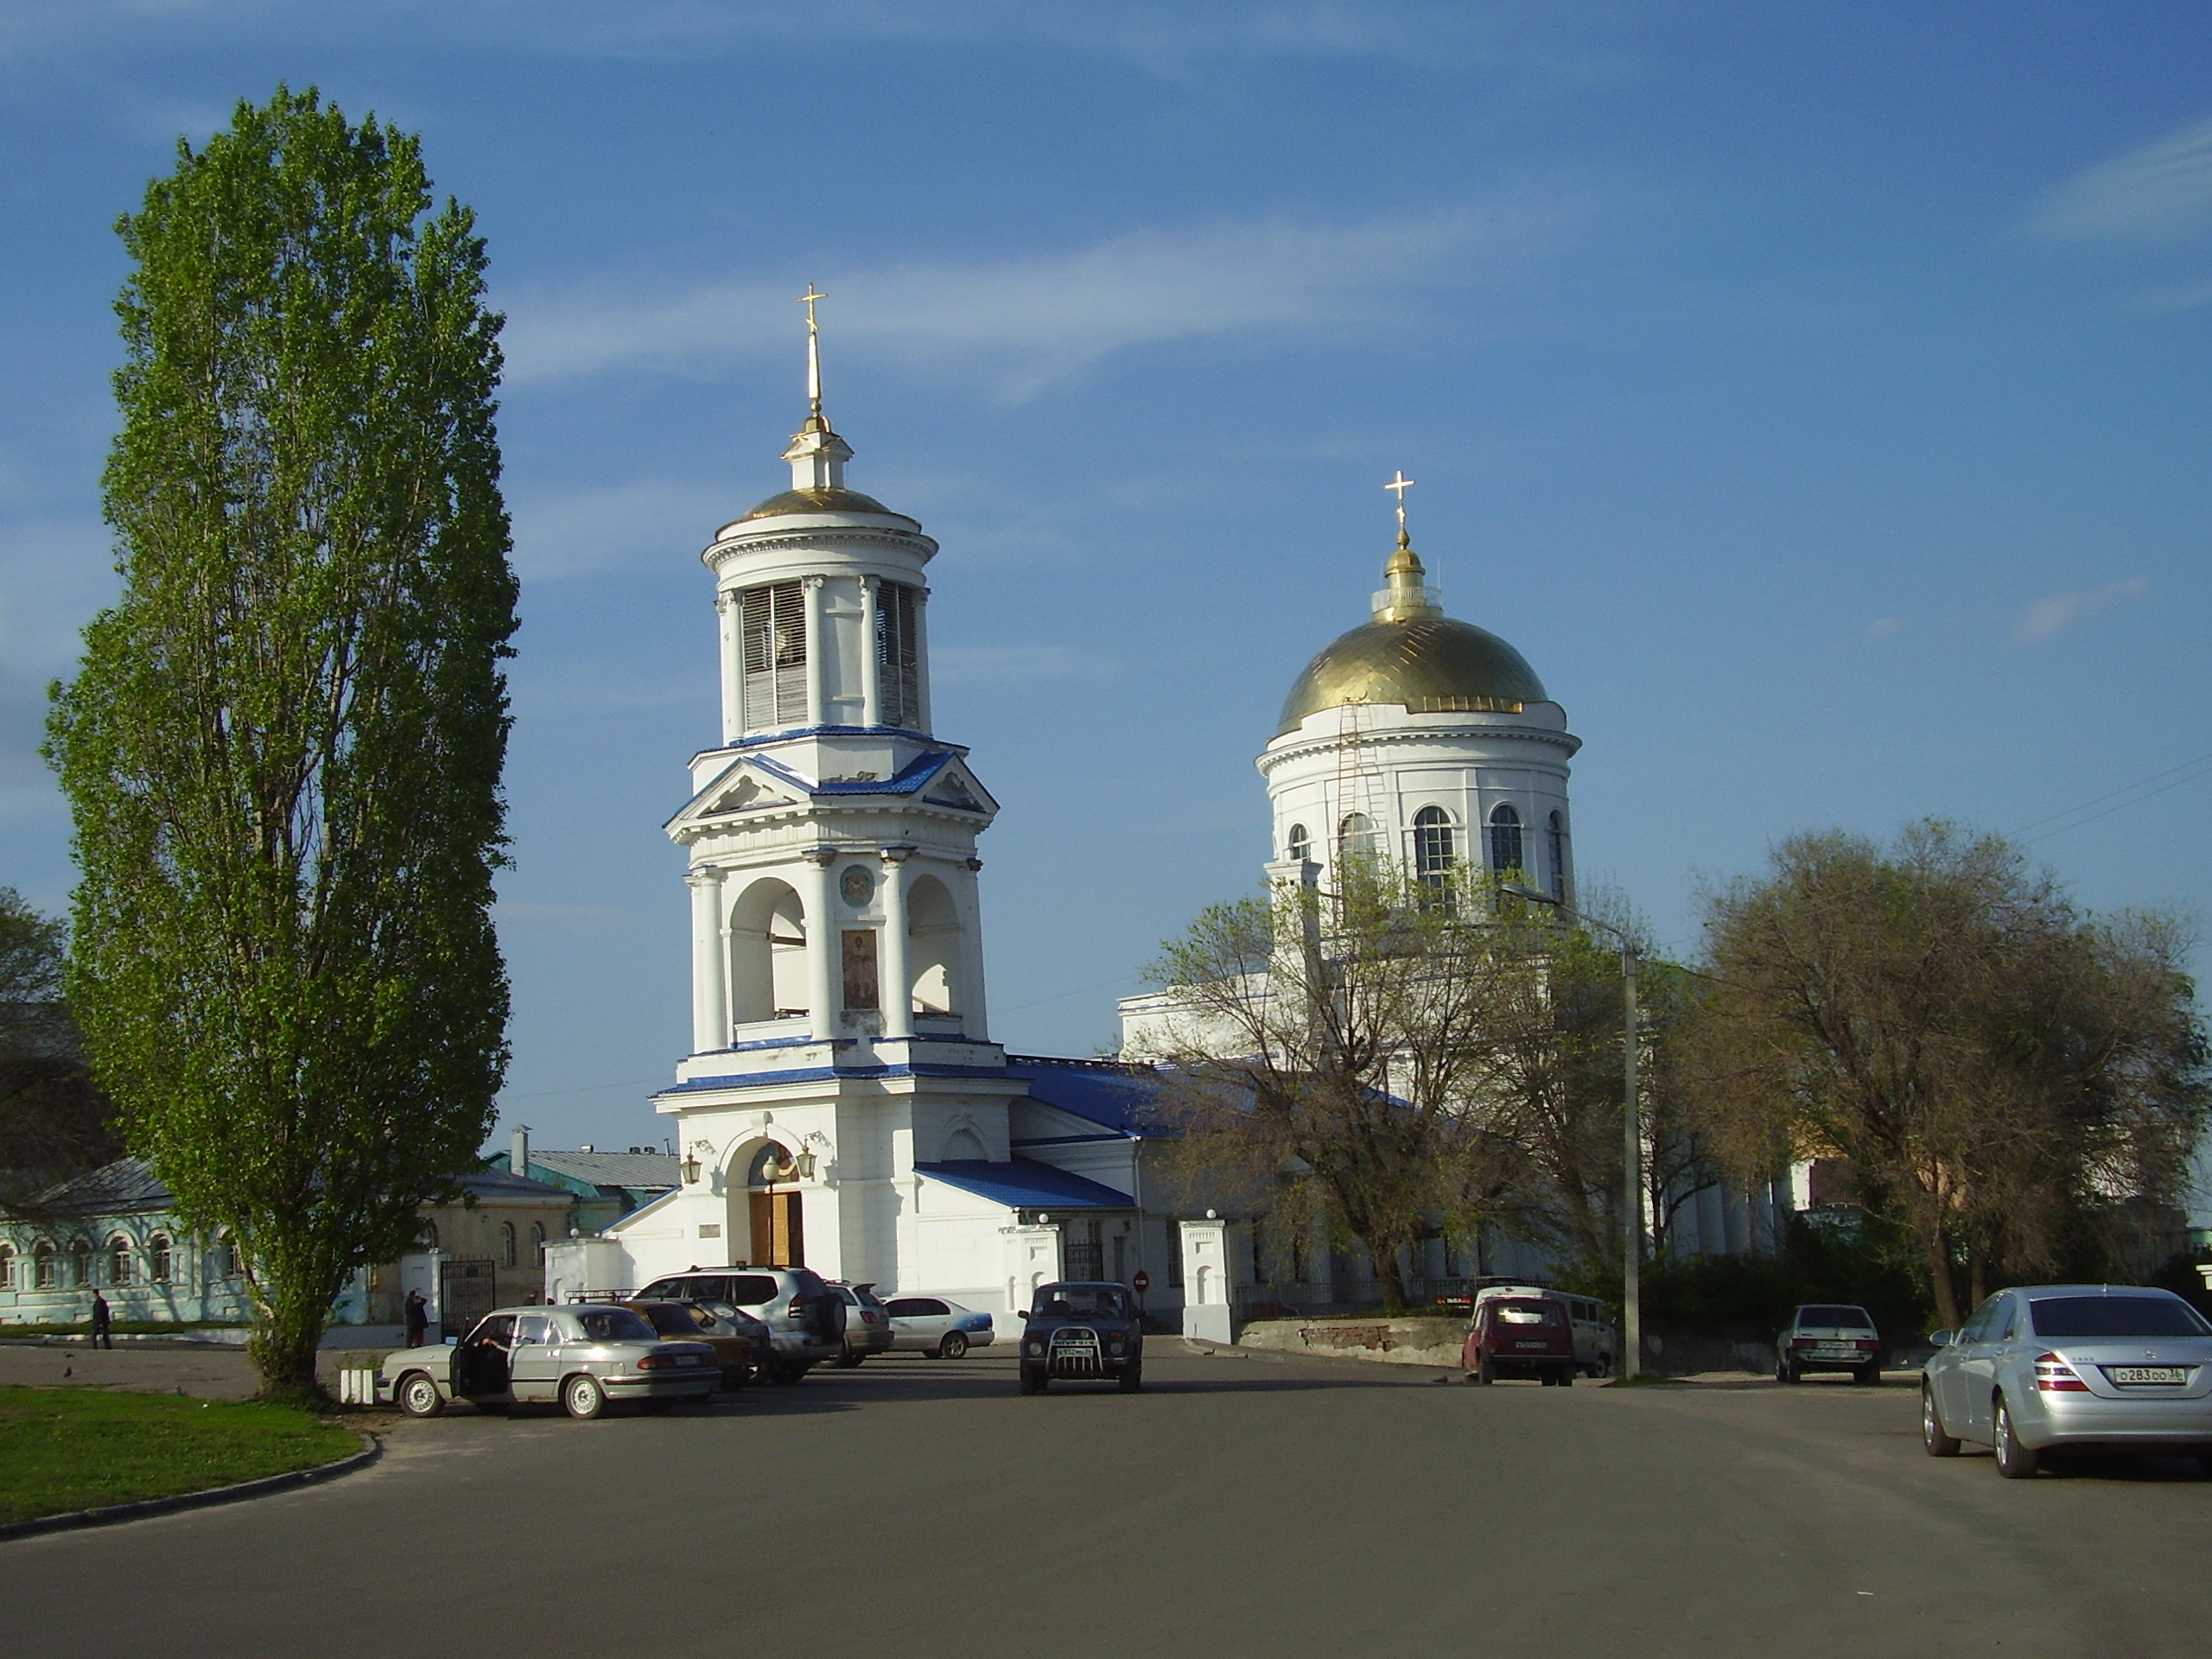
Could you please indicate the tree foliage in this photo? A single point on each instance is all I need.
(54, 1121)
(2000, 1071)
(283, 750)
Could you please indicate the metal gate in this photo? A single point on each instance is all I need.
(468, 1288)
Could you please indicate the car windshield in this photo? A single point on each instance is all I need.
(1834, 1318)
(1082, 1302)
(614, 1324)
(1527, 1313)
(2116, 1316)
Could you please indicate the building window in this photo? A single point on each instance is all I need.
(506, 1244)
(80, 1263)
(537, 1243)
(43, 1265)
(774, 619)
(1434, 854)
(1505, 841)
(229, 1264)
(430, 1234)
(161, 1259)
(1086, 1250)
(1558, 850)
(7, 1267)
(118, 1260)
(1357, 839)
(1301, 846)
(897, 655)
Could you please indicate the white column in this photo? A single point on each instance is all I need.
(817, 689)
(824, 944)
(709, 1000)
(921, 719)
(894, 972)
(731, 610)
(974, 1021)
(871, 663)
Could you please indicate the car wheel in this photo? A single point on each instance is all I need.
(1790, 1373)
(582, 1397)
(953, 1346)
(1566, 1376)
(784, 1373)
(1932, 1434)
(847, 1359)
(1033, 1379)
(1870, 1375)
(2204, 1465)
(1486, 1372)
(2014, 1461)
(733, 1379)
(419, 1395)
(1131, 1379)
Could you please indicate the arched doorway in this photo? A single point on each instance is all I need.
(775, 1217)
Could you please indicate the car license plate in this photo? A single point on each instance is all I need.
(687, 1359)
(1836, 1350)
(1538, 1344)
(2136, 1376)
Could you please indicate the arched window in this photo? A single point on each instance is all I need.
(537, 1243)
(229, 1264)
(1505, 840)
(161, 1259)
(1434, 853)
(1357, 839)
(1558, 850)
(430, 1234)
(118, 1260)
(81, 1262)
(43, 1265)
(1301, 845)
(7, 1267)
(506, 1244)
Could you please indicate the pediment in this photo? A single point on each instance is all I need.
(745, 786)
(955, 786)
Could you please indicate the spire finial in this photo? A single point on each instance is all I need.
(814, 352)
(1398, 485)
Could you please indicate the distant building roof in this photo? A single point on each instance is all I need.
(1025, 1184)
(126, 1186)
(645, 1169)
(499, 1183)
(1110, 1093)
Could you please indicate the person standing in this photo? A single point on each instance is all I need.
(419, 1318)
(102, 1319)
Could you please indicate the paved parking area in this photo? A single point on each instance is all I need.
(1291, 1508)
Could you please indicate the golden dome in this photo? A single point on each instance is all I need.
(835, 499)
(1430, 664)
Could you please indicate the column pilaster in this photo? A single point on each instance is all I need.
(709, 996)
(824, 965)
(921, 719)
(894, 973)
(974, 1021)
(730, 615)
(871, 659)
(817, 663)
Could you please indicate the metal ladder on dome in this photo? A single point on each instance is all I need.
(1359, 783)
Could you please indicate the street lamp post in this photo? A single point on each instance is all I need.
(1632, 1136)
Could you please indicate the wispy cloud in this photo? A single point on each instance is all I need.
(1881, 628)
(1012, 664)
(2160, 192)
(2048, 618)
(1025, 322)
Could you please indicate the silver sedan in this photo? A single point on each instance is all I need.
(579, 1358)
(2040, 1368)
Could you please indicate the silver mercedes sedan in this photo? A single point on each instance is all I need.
(2042, 1368)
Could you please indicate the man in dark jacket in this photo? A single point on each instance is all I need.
(419, 1318)
(101, 1320)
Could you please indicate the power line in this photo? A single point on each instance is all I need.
(2188, 766)
(2191, 777)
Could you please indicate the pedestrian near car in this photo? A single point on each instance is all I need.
(419, 1318)
(102, 1320)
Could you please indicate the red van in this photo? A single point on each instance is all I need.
(1519, 1336)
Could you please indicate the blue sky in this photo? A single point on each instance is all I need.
(1818, 396)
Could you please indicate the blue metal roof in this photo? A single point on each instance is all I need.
(1025, 1184)
(1113, 1096)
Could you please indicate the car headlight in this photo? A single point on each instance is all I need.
(1033, 1346)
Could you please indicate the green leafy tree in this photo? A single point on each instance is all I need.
(55, 1120)
(284, 748)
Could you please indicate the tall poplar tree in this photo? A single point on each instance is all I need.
(283, 747)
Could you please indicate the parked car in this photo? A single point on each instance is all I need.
(581, 1358)
(1519, 1336)
(1082, 1330)
(2043, 1367)
(1597, 1331)
(1828, 1337)
(936, 1324)
(733, 1345)
(867, 1327)
(805, 1319)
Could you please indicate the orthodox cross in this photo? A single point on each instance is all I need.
(814, 350)
(1399, 485)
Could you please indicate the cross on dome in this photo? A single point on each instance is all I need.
(1398, 484)
(813, 350)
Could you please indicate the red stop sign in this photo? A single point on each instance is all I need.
(1142, 1283)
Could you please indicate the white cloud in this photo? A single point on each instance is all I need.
(2048, 618)
(1883, 627)
(1012, 664)
(1027, 321)
(2163, 190)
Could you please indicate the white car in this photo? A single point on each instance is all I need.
(1828, 1337)
(2040, 1368)
(936, 1324)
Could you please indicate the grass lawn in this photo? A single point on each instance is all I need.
(83, 1448)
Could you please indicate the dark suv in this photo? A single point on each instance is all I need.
(1082, 1330)
(805, 1318)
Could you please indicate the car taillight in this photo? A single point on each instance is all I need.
(1803, 1342)
(797, 1308)
(2055, 1375)
(655, 1362)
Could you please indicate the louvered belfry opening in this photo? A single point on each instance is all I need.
(775, 657)
(897, 656)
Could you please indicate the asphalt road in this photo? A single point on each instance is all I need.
(1238, 1506)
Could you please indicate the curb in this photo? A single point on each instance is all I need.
(145, 1508)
